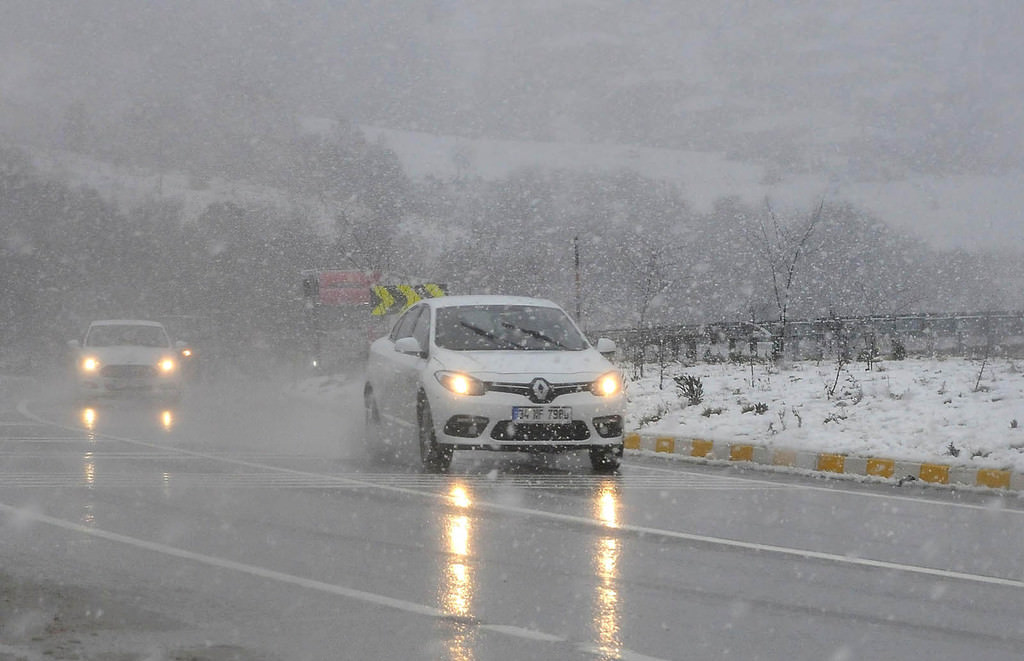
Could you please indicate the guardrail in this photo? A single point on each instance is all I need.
(868, 337)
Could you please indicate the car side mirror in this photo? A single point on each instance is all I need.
(605, 346)
(408, 345)
(74, 344)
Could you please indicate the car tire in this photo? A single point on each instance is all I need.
(373, 432)
(604, 459)
(436, 458)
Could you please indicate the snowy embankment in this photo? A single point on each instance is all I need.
(950, 411)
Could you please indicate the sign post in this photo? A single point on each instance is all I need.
(345, 307)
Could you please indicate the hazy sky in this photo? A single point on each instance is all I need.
(875, 97)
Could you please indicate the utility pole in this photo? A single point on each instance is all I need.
(576, 262)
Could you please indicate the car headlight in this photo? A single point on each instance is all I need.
(607, 385)
(167, 365)
(460, 384)
(90, 364)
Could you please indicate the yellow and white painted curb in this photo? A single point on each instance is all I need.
(827, 463)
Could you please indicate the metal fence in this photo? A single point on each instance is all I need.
(871, 337)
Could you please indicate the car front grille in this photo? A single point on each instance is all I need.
(557, 389)
(128, 371)
(506, 430)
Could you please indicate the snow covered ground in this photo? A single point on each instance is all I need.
(951, 411)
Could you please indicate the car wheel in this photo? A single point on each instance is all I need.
(436, 458)
(605, 459)
(373, 432)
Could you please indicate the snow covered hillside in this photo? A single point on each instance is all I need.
(963, 211)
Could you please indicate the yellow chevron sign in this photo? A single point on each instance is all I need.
(395, 298)
(383, 300)
(410, 295)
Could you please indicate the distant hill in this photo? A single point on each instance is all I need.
(911, 109)
(974, 212)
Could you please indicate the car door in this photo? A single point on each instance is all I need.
(398, 376)
(411, 368)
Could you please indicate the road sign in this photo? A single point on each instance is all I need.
(395, 298)
(338, 286)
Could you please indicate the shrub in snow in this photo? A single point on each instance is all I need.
(651, 418)
(835, 416)
(690, 388)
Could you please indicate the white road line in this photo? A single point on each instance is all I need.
(594, 523)
(310, 584)
(44, 439)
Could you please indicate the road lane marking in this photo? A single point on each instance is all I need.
(44, 439)
(21, 515)
(594, 523)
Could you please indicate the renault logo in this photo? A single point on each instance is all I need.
(541, 391)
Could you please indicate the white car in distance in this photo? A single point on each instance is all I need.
(492, 373)
(119, 357)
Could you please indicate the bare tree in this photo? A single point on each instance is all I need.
(655, 274)
(783, 248)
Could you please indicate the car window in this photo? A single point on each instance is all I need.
(421, 330)
(506, 327)
(405, 324)
(126, 335)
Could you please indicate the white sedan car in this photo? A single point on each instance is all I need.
(127, 357)
(492, 373)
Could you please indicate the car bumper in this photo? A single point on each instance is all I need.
(485, 423)
(100, 386)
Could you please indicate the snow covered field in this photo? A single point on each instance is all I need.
(936, 410)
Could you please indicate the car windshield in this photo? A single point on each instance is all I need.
(506, 327)
(114, 335)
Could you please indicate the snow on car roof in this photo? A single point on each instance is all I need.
(488, 299)
(125, 322)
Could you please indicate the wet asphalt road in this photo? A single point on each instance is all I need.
(246, 518)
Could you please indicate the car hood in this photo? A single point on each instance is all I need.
(127, 355)
(555, 366)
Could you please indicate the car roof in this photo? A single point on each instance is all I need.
(487, 299)
(125, 322)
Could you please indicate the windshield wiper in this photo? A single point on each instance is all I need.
(534, 334)
(483, 332)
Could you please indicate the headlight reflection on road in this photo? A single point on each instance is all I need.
(89, 419)
(167, 419)
(89, 469)
(455, 596)
(89, 476)
(607, 605)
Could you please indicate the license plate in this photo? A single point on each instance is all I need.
(542, 414)
(127, 384)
